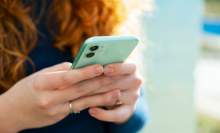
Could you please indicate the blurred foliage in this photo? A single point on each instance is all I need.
(212, 0)
(210, 51)
(208, 124)
(212, 7)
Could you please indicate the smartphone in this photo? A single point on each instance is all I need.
(105, 50)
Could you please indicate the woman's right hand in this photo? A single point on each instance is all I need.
(42, 98)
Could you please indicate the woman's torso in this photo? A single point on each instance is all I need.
(43, 56)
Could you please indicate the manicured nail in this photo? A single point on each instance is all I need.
(93, 112)
(112, 78)
(115, 95)
(108, 70)
(98, 70)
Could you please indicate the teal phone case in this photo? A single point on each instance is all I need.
(111, 49)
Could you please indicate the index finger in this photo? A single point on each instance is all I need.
(128, 67)
(53, 80)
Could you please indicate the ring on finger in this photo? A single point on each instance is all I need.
(72, 111)
(118, 102)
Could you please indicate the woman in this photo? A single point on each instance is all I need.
(41, 101)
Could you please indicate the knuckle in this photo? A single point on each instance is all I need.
(80, 89)
(136, 96)
(43, 102)
(138, 80)
(36, 83)
(65, 77)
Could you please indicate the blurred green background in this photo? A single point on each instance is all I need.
(183, 66)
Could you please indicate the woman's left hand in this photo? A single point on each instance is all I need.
(128, 81)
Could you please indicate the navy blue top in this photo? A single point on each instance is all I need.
(44, 55)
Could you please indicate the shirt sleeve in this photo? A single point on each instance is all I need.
(139, 118)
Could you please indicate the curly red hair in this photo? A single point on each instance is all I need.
(76, 20)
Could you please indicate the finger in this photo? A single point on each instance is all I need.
(129, 97)
(128, 67)
(81, 89)
(120, 114)
(92, 101)
(59, 67)
(124, 82)
(53, 80)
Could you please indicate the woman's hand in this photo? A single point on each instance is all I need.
(42, 98)
(128, 81)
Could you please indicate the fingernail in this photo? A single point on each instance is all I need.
(98, 70)
(115, 95)
(93, 112)
(112, 78)
(108, 70)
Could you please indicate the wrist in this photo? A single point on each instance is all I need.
(7, 129)
(6, 118)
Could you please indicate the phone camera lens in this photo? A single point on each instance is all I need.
(93, 48)
(89, 55)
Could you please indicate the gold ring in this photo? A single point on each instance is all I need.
(72, 111)
(118, 102)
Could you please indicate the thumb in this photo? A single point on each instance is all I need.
(59, 67)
